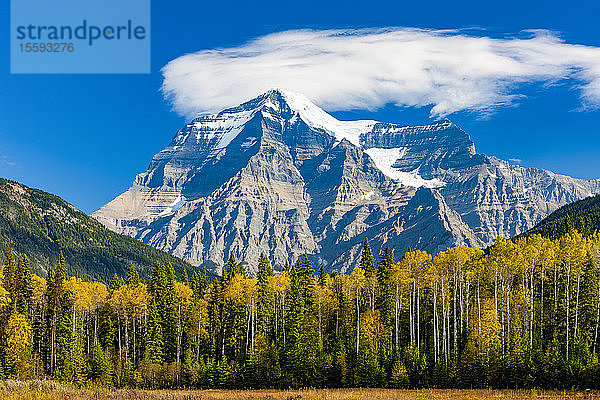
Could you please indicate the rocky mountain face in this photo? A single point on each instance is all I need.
(279, 175)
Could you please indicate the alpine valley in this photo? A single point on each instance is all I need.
(279, 175)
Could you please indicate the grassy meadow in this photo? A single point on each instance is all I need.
(50, 390)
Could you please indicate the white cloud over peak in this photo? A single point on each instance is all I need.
(449, 70)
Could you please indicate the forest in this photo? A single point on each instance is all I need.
(524, 313)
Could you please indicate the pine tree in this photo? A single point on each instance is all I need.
(231, 268)
(53, 308)
(385, 299)
(25, 289)
(322, 276)
(9, 272)
(154, 338)
(116, 283)
(265, 297)
(100, 367)
(163, 293)
(367, 262)
(184, 277)
(65, 368)
(80, 367)
(132, 279)
(242, 270)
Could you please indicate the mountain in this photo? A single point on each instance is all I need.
(40, 225)
(584, 215)
(279, 175)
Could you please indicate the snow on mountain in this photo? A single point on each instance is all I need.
(316, 118)
(386, 158)
(174, 206)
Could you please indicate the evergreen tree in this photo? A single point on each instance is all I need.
(322, 276)
(265, 297)
(25, 288)
(132, 279)
(116, 283)
(65, 367)
(154, 338)
(80, 366)
(54, 298)
(386, 291)
(242, 270)
(100, 366)
(367, 262)
(163, 293)
(231, 268)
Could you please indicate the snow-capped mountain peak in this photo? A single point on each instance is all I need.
(227, 124)
(316, 118)
(280, 176)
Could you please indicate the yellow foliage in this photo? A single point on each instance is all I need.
(18, 351)
(241, 290)
(183, 292)
(131, 299)
(39, 288)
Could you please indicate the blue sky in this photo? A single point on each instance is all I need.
(85, 137)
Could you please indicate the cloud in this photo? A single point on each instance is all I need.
(515, 160)
(449, 70)
(5, 160)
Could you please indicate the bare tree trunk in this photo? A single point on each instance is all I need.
(524, 291)
(53, 344)
(577, 305)
(502, 318)
(410, 316)
(320, 335)
(126, 335)
(198, 338)
(276, 320)
(397, 313)
(418, 315)
(508, 288)
(531, 311)
(435, 345)
(119, 334)
(542, 306)
(555, 290)
(478, 310)
(454, 344)
(597, 317)
(568, 305)
(253, 323)
(248, 328)
(357, 323)
(96, 328)
(461, 306)
(283, 315)
(87, 336)
(178, 365)
(73, 330)
(134, 342)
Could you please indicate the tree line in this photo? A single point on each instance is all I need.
(524, 313)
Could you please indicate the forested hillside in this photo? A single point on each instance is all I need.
(525, 314)
(41, 225)
(584, 215)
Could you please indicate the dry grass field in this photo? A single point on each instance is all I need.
(46, 390)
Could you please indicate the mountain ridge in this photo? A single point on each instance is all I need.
(583, 215)
(40, 225)
(279, 175)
